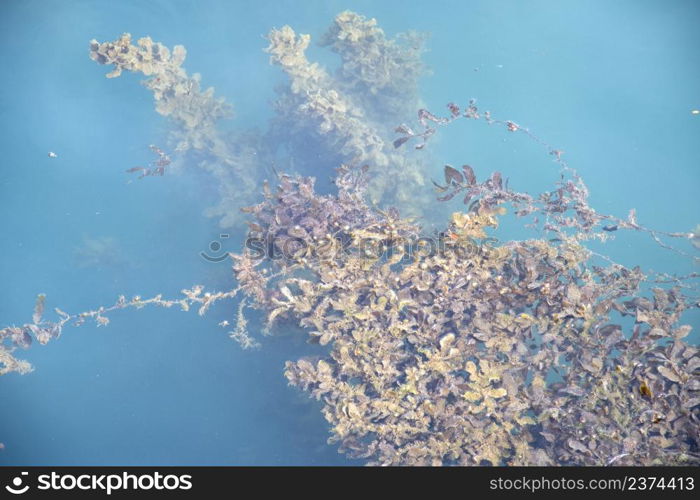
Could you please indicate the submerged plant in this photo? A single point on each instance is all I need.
(320, 118)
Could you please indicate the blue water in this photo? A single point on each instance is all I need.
(611, 83)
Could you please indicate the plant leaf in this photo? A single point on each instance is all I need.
(452, 174)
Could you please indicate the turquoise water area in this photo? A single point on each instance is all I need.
(613, 84)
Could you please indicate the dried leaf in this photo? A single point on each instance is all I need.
(682, 332)
(693, 385)
(469, 174)
(548, 436)
(497, 393)
(669, 374)
(472, 396)
(404, 129)
(275, 313)
(287, 293)
(439, 188)
(656, 333)
(573, 390)
(448, 196)
(577, 446)
(400, 141)
(693, 364)
(453, 175)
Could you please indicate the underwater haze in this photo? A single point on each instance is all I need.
(612, 85)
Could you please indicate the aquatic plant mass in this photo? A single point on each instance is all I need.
(444, 344)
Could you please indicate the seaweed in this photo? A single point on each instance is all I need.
(195, 114)
(321, 119)
(349, 117)
(446, 357)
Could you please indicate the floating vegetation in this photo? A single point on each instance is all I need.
(477, 353)
(156, 167)
(453, 349)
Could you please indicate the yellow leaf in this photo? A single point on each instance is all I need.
(275, 313)
(471, 396)
(324, 369)
(497, 393)
(538, 382)
(527, 420)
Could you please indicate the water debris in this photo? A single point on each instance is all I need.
(155, 168)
